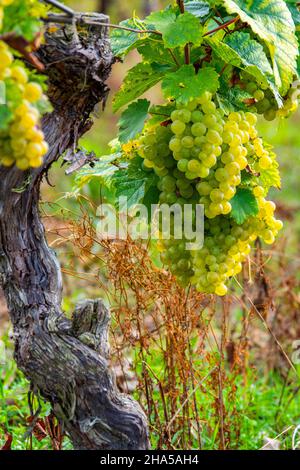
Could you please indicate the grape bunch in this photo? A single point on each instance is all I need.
(265, 102)
(227, 245)
(200, 155)
(207, 148)
(21, 142)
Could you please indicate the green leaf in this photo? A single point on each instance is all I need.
(271, 20)
(232, 99)
(138, 80)
(244, 205)
(23, 18)
(161, 113)
(161, 20)
(5, 117)
(133, 182)
(186, 29)
(254, 59)
(154, 51)
(103, 169)
(177, 31)
(123, 41)
(185, 85)
(200, 9)
(132, 120)
(151, 197)
(240, 50)
(247, 177)
(294, 9)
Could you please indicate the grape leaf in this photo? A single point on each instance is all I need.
(186, 29)
(23, 18)
(122, 41)
(294, 9)
(161, 20)
(103, 169)
(271, 20)
(232, 99)
(200, 9)
(154, 51)
(244, 204)
(160, 113)
(5, 117)
(247, 177)
(132, 120)
(133, 182)
(270, 177)
(254, 59)
(138, 80)
(151, 197)
(240, 50)
(185, 85)
(178, 30)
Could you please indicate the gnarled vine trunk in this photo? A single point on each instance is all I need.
(66, 362)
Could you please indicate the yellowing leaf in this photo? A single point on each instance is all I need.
(271, 20)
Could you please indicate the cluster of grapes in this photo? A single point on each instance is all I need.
(265, 102)
(207, 147)
(178, 259)
(227, 245)
(22, 143)
(199, 156)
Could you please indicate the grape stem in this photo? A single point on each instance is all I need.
(187, 52)
(174, 57)
(222, 26)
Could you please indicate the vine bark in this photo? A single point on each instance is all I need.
(66, 362)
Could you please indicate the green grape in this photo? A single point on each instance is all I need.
(203, 165)
(22, 142)
(187, 142)
(258, 95)
(178, 127)
(270, 115)
(194, 166)
(185, 115)
(198, 129)
(197, 116)
(175, 145)
(210, 160)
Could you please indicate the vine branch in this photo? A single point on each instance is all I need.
(222, 26)
(82, 20)
(187, 52)
(61, 7)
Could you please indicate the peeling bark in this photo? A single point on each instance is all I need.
(66, 362)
